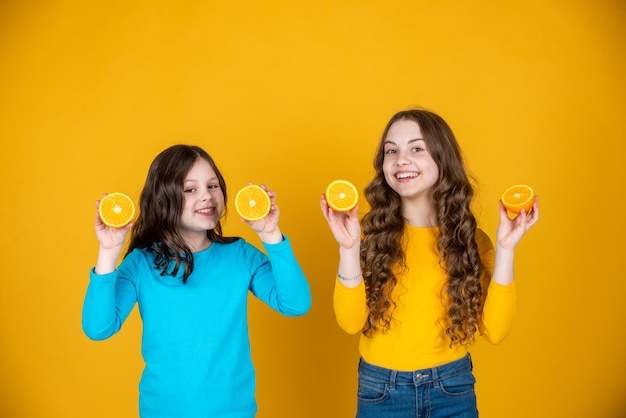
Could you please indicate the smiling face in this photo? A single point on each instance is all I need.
(407, 165)
(203, 202)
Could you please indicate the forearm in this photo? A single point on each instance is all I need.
(503, 271)
(107, 260)
(349, 269)
(273, 237)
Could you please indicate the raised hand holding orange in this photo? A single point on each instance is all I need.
(256, 205)
(521, 201)
(114, 214)
(340, 211)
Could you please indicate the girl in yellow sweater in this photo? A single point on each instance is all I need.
(417, 278)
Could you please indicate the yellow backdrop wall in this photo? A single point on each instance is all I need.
(296, 94)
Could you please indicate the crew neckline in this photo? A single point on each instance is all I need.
(422, 228)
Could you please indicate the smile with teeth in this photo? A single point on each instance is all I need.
(205, 211)
(407, 175)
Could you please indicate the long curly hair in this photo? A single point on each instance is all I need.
(384, 226)
(161, 203)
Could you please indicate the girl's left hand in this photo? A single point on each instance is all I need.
(510, 231)
(267, 228)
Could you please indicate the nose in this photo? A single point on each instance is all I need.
(402, 159)
(205, 196)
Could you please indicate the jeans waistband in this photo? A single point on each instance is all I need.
(438, 373)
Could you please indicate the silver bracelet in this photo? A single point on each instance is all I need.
(350, 278)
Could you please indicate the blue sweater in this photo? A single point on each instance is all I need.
(195, 335)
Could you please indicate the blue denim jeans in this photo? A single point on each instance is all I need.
(443, 391)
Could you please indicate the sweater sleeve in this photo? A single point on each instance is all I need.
(350, 306)
(499, 301)
(109, 300)
(278, 279)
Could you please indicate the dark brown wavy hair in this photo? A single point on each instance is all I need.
(384, 225)
(161, 204)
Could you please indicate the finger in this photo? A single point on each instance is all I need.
(504, 215)
(326, 209)
(274, 209)
(536, 209)
(98, 220)
(324, 206)
(523, 219)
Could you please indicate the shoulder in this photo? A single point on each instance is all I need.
(230, 244)
(138, 254)
(139, 259)
(233, 247)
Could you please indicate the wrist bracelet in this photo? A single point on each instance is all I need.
(349, 278)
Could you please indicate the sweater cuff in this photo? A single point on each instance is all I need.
(285, 243)
(95, 277)
(502, 288)
(341, 288)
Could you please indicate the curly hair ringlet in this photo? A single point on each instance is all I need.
(384, 226)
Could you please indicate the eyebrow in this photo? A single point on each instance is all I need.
(192, 180)
(410, 141)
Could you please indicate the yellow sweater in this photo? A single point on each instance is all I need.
(417, 338)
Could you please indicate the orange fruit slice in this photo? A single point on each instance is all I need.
(518, 197)
(252, 203)
(341, 195)
(116, 210)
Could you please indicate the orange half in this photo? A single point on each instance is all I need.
(518, 197)
(252, 203)
(116, 210)
(341, 195)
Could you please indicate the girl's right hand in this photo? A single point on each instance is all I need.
(110, 238)
(344, 226)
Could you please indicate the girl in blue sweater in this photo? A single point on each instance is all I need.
(191, 284)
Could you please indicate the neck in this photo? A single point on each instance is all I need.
(197, 242)
(419, 214)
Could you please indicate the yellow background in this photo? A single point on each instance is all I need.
(296, 94)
